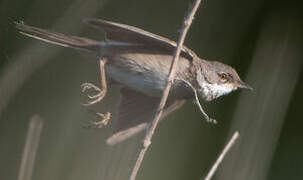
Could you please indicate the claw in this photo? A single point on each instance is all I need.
(95, 97)
(211, 120)
(101, 122)
(87, 86)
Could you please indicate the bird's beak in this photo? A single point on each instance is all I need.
(243, 85)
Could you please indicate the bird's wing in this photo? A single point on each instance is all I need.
(125, 33)
(135, 112)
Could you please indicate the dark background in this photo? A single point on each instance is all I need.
(263, 40)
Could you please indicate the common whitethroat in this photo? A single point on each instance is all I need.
(139, 61)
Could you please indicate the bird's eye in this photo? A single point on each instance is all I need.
(223, 77)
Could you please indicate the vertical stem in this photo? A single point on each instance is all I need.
(30, 149)
(170, 78)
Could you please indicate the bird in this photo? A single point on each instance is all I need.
(140, 61)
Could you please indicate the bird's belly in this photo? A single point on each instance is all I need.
(148, 83)
(144, 73)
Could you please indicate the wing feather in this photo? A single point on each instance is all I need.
(125, 33)
(135, 112)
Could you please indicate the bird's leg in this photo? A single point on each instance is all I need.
(208, 119)
(95, 98)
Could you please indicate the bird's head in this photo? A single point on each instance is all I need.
(216, 79)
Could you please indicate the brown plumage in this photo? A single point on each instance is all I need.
(140, 61)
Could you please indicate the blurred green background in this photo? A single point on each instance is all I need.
(263, 40)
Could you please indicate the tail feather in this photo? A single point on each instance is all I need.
(58, 38)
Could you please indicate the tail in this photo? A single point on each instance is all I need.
(75, 42)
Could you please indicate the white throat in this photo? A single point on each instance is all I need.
(212, 91)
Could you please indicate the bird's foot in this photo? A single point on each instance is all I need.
(103, 121)
(95, 98)
(211, 120)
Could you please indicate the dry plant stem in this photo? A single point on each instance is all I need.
(30, 149)
(170, 78)
(222, 155)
